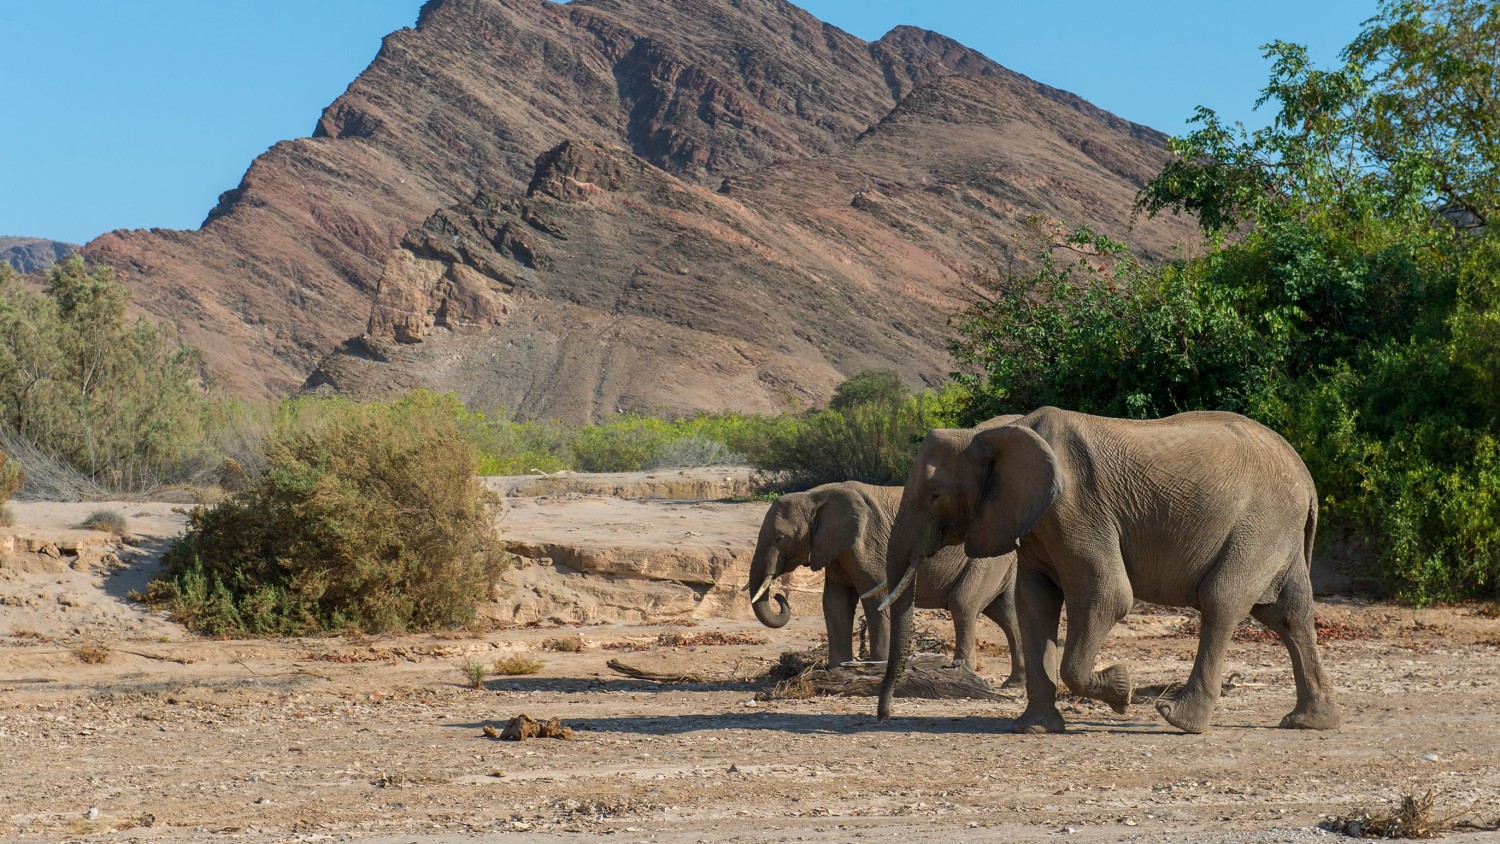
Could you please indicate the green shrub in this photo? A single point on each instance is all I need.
(872, 386)
(370, 518)
(11, 478)
(874, 443)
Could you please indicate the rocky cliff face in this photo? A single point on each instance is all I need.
(33, 254)
(732, 177)
(614, 285)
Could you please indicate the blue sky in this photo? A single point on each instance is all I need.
(138, 114)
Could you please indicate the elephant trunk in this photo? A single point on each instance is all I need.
(902, 613)
(762, 572)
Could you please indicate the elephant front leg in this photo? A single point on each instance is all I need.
(838, 617)
(1089, 622)
(878, 624)
(1003, 613)
(1040, 607)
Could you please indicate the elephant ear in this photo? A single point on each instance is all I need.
(1022, 480)
(837, 525)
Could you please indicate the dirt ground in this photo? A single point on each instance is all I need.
(176, 738)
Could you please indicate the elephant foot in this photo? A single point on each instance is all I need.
(1187, 712)
(1014, 681)
(962, 664)
(1318, 715)
(1040, 720)
(1112, 686)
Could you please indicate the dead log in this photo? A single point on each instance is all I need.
(927, 676)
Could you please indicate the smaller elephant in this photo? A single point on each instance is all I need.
(843, 529)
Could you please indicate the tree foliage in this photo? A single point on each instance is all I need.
(118, 398)
(1349, 296)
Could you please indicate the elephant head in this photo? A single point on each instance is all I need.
(802, 529)
(984, 487)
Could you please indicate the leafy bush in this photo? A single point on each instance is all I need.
(695, 450)
(370, 519)
(119, 400)
(874, 443)
(872, 386)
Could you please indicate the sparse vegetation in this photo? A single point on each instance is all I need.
(473, 673)
(370, 519)
(565, 644)
(92, 653)
(1410, 817)
(516, 665)
(108, 521)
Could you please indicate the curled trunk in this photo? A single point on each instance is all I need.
(765, 568)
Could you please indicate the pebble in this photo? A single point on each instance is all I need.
(92, 814)
(1431, 757)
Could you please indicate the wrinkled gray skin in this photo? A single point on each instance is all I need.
(1205, 510)
(842, 529)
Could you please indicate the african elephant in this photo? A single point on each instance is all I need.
(842, 528)
(1206, 510)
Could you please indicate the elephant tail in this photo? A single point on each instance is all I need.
(1310, 530)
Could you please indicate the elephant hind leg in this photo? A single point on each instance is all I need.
(1291, 616)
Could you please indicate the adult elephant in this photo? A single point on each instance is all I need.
(1205, 510)
(843, 529)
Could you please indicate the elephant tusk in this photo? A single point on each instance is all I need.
(764, 585)
(878, 590)
(900, 587)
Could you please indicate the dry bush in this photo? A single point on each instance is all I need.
(371, 520)
(516, 665)
(1411, 817)
(92, 654)
(566, 644)
(707, 637)
(7, 516)
(108, 521)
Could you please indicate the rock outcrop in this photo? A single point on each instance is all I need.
(33, 254)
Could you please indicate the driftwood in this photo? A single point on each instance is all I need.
(927, 676)
(669, 674)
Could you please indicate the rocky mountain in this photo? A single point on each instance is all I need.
(31, 254)
(573, 208)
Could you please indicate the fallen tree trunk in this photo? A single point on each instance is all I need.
(927, 676)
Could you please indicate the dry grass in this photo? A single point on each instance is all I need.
(1411, 817)
(108, 521)
(473, 673)
(92, 654)
(516, 665)
(7, 516)
(566, 645)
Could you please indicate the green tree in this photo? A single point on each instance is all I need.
(872, 386)
(118, 398)
(1349, 297)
